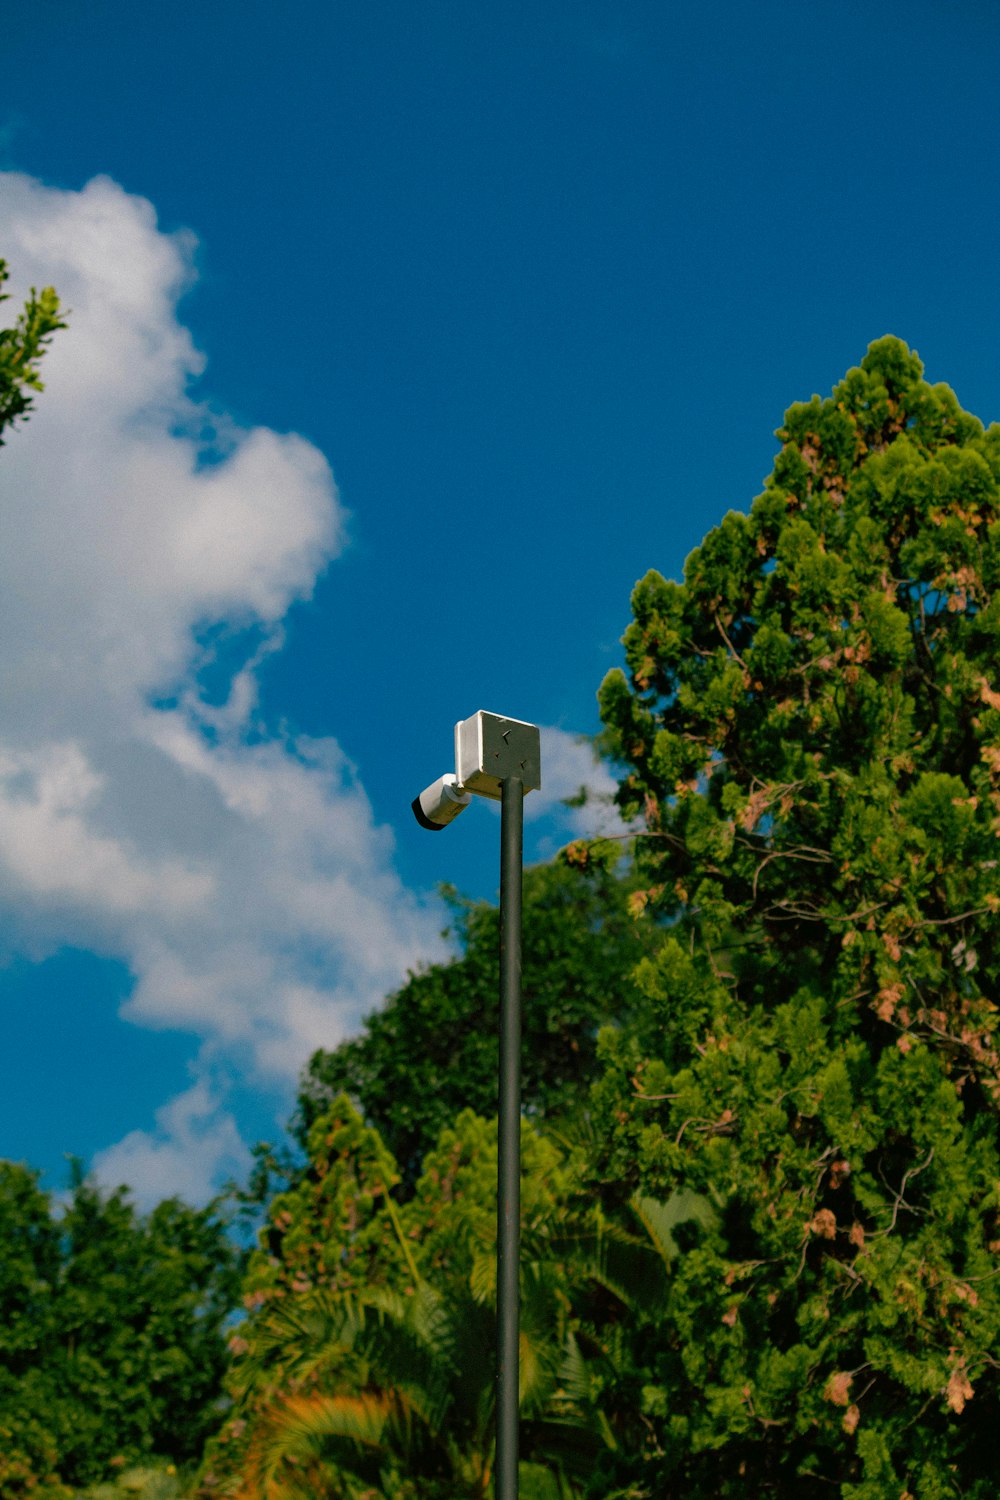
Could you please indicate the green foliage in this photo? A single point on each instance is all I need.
(111, 1345)
(327, 1228)
(761, 1168)
(811, 727)
(29, 1275)
(21, 348)
(365, 1367)
(138, 1482)
(432, 1051)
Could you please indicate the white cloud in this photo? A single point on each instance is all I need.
(242, 878)
(49, 849)
(569, 764)
(195, 1145)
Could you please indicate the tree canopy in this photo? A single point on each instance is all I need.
(432, 1050)
(761, 1206)
(810, 725)
(365, 1366)
(111, 1331)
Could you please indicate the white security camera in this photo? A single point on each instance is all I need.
(440, 803)
(488, 749)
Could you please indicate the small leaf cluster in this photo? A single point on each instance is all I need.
(21, 348)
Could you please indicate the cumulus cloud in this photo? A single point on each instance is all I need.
(242, 877)
(194, 1143)
(569, 766)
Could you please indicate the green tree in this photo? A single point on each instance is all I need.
(365, 1366)
(111, 1331)
(21, 348)
(29, 1241)
(432, 1050)
(142, 1304)
(811, 727)
(29, 1277)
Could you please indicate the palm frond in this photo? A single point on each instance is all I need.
(537, 1363)
(573, 1446)
(301, 1423)
(297, 1433)
(574, 1376)
(660, 1219)
(483, 1277)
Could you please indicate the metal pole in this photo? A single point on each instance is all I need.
(509, 1155)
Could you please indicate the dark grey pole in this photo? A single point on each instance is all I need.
(509, 1156)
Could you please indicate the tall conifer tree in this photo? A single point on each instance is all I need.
(810, 724)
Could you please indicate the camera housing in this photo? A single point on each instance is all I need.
(440, 803)
(488, 749)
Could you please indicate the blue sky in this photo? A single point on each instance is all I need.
(534, 285)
